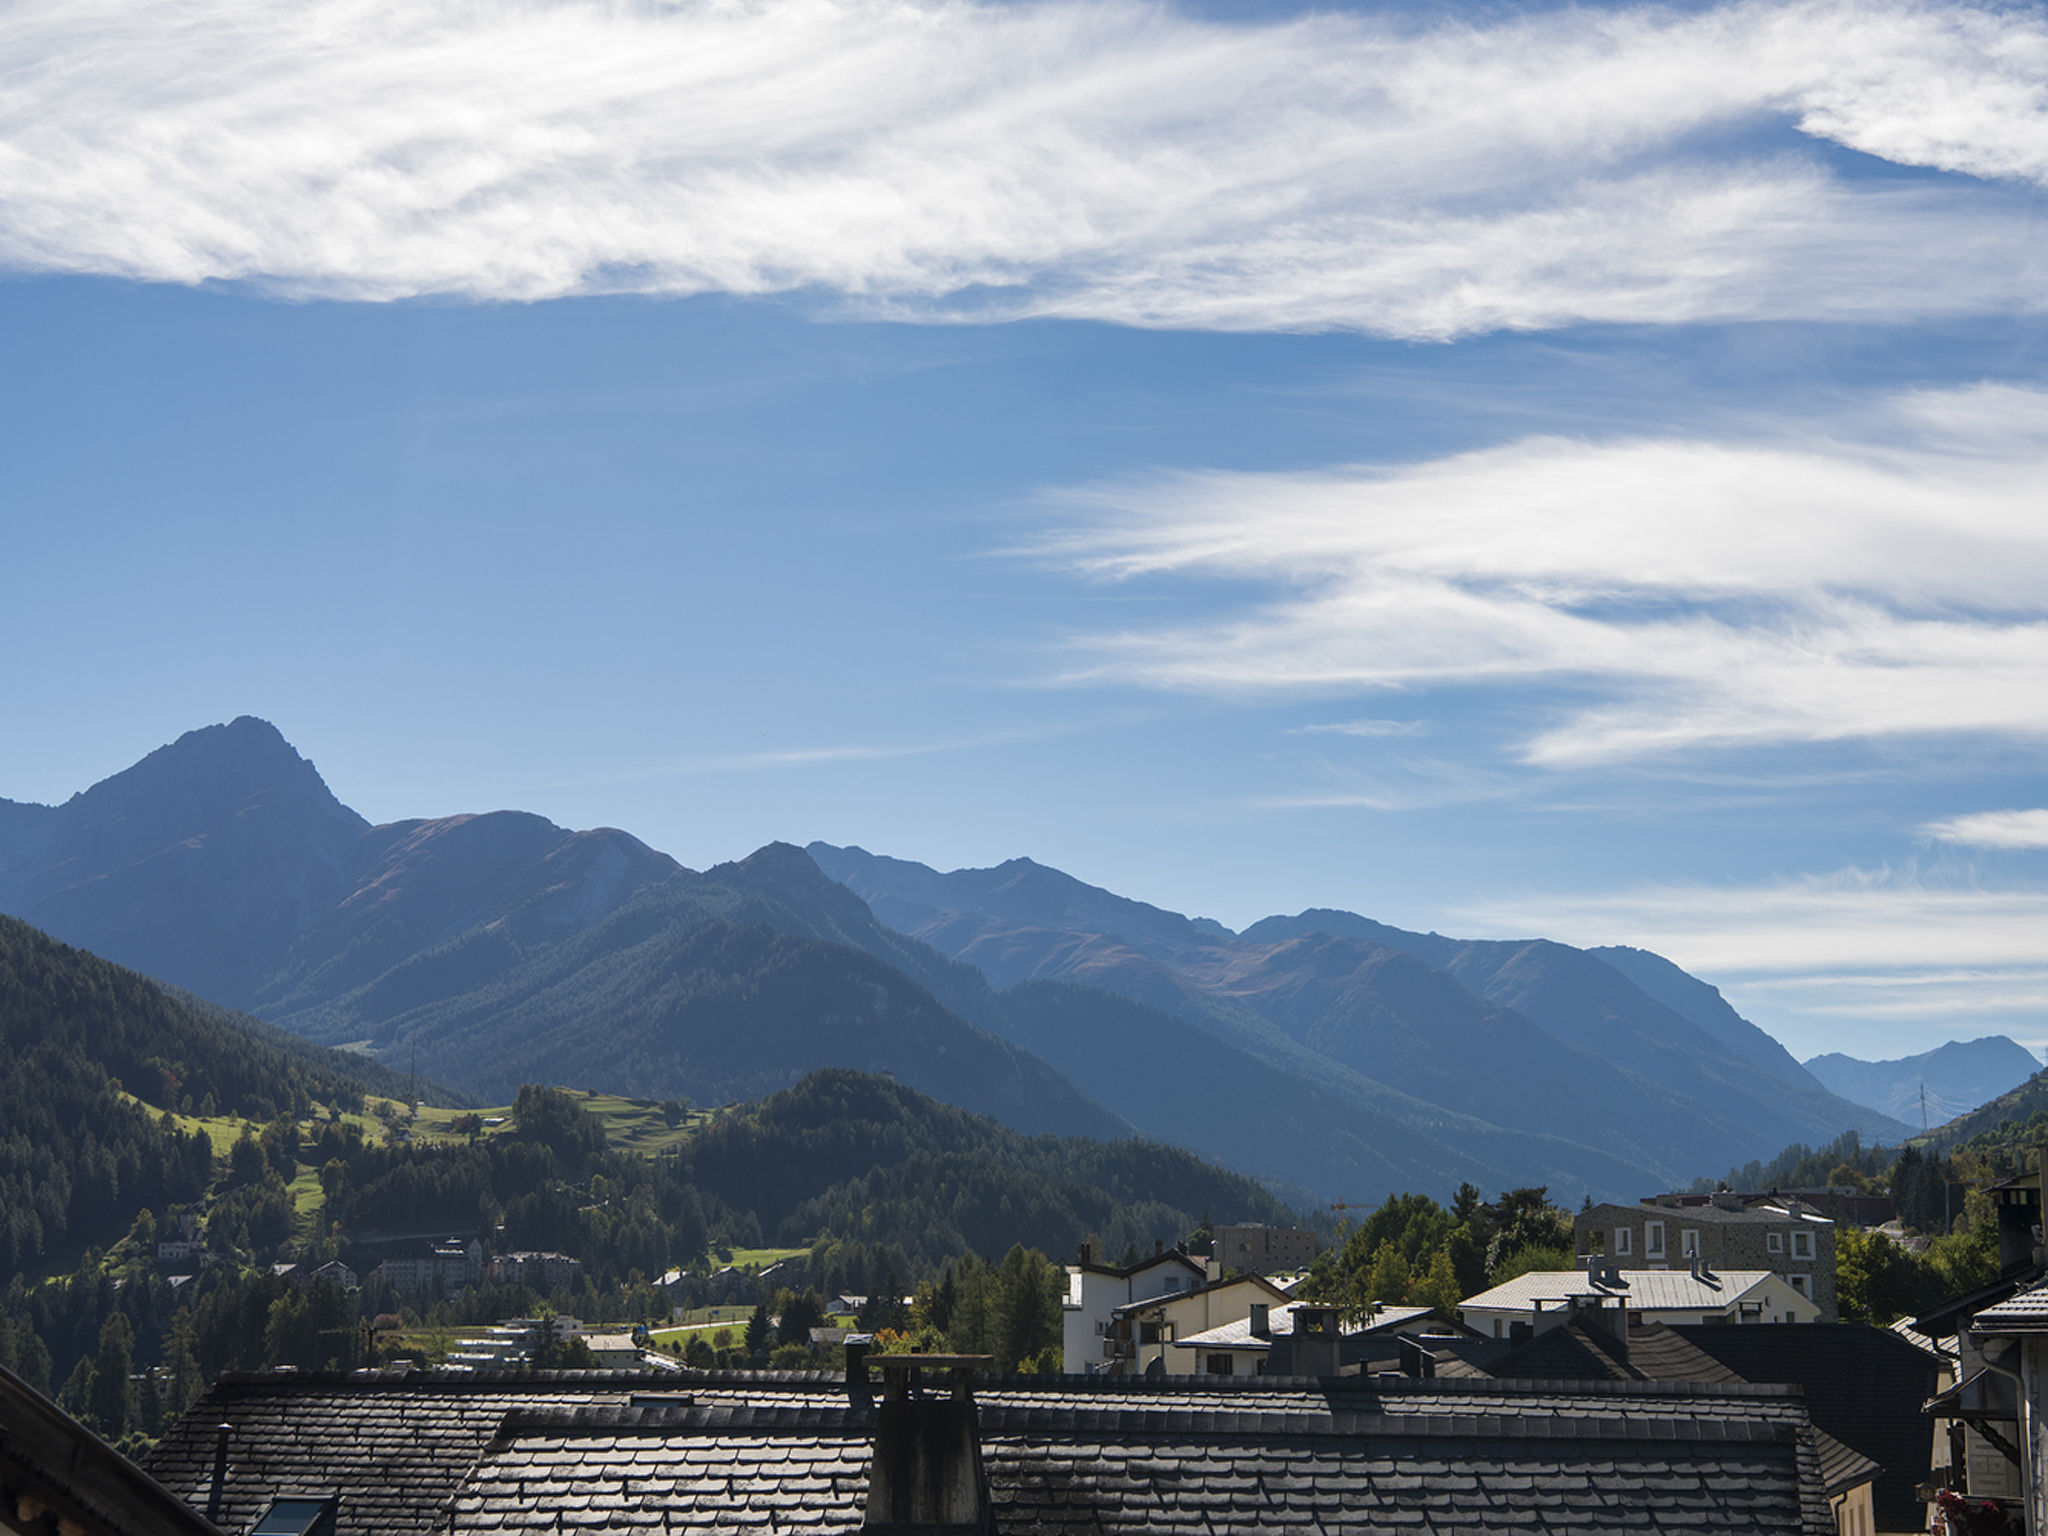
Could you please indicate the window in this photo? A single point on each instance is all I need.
(1802, 1245)
(1624, 1240)
(1223, 1365)
(298, 1517)
(1653, 1239)
(1688, 1244)
(1173, 1282)
(1775, 1242)
(1803, 1284)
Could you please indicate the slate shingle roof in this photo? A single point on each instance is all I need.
(2025, 1313)
(1863, 1386)
(1280, 1323)
(598, 1452)
(1584, 1351)
(1646, 1290)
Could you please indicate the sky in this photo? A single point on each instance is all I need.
(1507, 470)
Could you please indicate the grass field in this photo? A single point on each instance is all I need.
(631, 1125)
(761, 1258)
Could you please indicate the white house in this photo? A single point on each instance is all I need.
(1242, 1346)
(1095, 1291)
(1141, 1333)
(1544, 1298)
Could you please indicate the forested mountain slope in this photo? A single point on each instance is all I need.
(91, 1056)
(1525, 1036)
(500, 947)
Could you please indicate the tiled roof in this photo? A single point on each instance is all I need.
(1644, 1290)
(1581, 1350)
(574, 1451)
(1863, 1386)
(2024, 1313)
(1280, 1323)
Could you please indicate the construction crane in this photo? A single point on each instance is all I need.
(1341, 1206)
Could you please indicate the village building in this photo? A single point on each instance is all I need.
(1256, 1249)
(1263, 1341)
(1094, 1292)
(1788, 1237)
(446, 1268)
(542, 1271)
(1544, 1299)
(1142, 1332)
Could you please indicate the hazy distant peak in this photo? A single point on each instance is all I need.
(211, 771)
(1019, 890)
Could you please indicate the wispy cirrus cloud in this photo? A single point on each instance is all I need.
(1114, 160)
(1367, 730)
(1913, 959)
(1992, 829)
(1680, 594)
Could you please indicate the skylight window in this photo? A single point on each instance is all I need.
(298, 1516)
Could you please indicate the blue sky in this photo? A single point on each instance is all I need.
(1567, 472)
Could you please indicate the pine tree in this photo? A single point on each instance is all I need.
(107, 1393)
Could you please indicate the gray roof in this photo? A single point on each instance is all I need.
(1644, 1290)
(601, 1451)
(1709, 1215)
(1280, 1324)
(2024, 1313)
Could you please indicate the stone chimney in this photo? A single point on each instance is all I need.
(927, 1478)
(1315, 1341)
(1261, 1320)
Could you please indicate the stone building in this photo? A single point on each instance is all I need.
(1789, 1238)
(1256, 1249)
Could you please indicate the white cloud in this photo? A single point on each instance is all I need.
(1113, 160)
(1875, 963)
(1364, 729)
(1861, 920)
(1993, 829)
(1704, 593)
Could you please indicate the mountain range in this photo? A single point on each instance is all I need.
(1950, 1080)
(1325, 1053)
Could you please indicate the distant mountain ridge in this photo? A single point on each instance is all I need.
(1525, 1036)
(500, 946)
(1328, 1054)
(1957, 1076)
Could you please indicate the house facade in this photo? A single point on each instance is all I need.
(1787, 1237)
(1256, 1249)
(1095, 1291)
(1142, 1333)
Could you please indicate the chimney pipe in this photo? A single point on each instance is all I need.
(1315, 1341)
(927, 1474)
(1417, 1361)
(1261, 1324)
(220, 1471)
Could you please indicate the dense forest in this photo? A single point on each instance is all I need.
(93, 1058)
(107, 1078)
